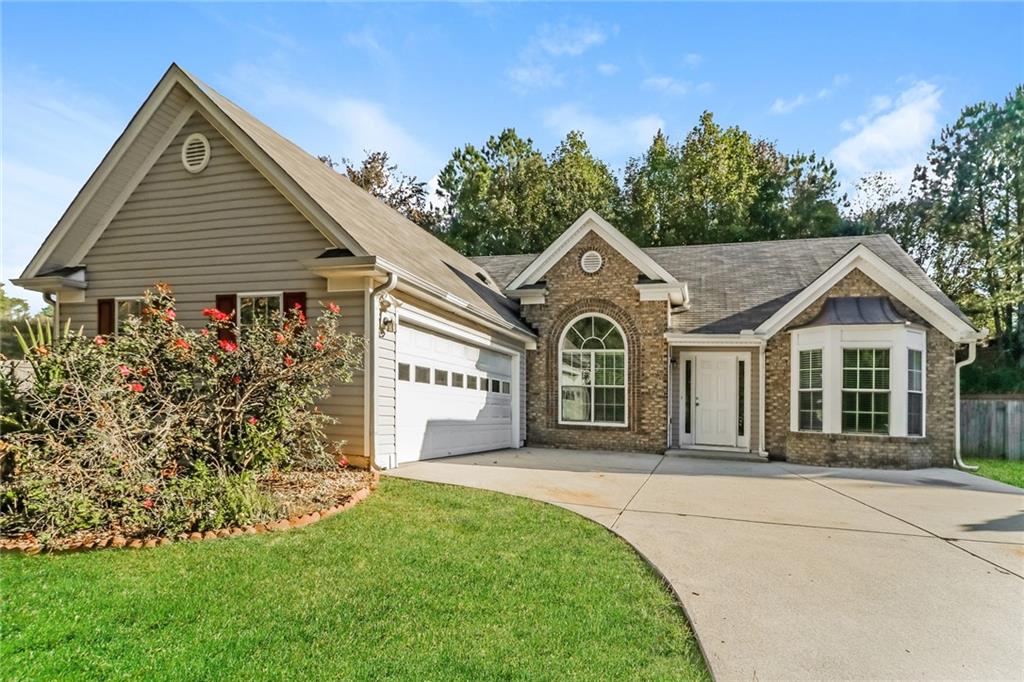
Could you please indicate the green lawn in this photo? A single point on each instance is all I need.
(1000, 470)
(420, 582)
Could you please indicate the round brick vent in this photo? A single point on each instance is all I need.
(195, 152)
(591, 262)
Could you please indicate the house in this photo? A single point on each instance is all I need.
(828, 351)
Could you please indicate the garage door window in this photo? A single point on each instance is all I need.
(592, 376)
(422, 375)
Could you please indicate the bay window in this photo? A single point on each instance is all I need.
(866, 379)
(592, 372)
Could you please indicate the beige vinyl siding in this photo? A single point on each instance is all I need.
(222, 231)
(385, 397)
(131, 162)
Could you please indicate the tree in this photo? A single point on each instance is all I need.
(651, 203)
(578, 181)
(507, 197)
(723, 185)
(974, 181)
(381, 178)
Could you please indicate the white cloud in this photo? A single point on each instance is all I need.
(893, 137)
(781, 105)
(692, 60)
(607, 69)
(364, 39)
(667, 84)
(569, 39)
(607, 137)
(54, 135)
(534, 76)
(343, 125)
(535, 67)
(784, 106)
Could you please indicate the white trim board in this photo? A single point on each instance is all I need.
(590, 221)
(864, 259)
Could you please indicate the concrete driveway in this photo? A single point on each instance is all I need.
(794, 572)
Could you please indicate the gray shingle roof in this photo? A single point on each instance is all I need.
(376, 227)
(738, 286)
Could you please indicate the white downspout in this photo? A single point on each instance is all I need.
(972, 351)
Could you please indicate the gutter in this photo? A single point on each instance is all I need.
(366, 264)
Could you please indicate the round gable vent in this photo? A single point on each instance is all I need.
(195, 152)
(591, 262)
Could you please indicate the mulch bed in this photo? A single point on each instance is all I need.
(303, 497)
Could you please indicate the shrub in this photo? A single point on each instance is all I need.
(163, 429)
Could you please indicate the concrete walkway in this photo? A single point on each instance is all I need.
(793, 572)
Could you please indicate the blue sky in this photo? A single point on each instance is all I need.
(868, 85)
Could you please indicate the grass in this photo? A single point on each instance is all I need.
(1000, 470)
(420, 582)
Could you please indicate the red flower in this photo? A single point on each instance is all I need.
(236, 379)
(216, 315)
(136, 387)
(123, 370)
(147, 503)
(318, 345)
(333, 307)
(145, 371)
(204, 331)
(252, 421)
(343, 462)
(227, 346)
(170, 314)
(288, 361)
(182, 343)
(297, 305)
(100, 341)
(279, 339)
(213, 359)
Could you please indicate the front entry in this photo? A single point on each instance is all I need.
(713, 388)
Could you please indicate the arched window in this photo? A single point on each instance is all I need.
(592, 372)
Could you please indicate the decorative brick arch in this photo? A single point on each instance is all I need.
(634, 355)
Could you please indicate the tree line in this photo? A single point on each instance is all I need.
(960, 219)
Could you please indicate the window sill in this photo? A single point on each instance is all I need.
(834, 435)
(587, 425)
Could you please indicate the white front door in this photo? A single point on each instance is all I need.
(715, 399)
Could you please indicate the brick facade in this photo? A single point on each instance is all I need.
(610, 291)
(935, 449)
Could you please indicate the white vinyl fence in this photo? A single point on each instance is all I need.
(992, 426)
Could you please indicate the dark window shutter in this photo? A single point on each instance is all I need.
(226, 304)
(290, 298)
(105, 316)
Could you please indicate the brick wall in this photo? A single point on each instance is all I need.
(935, 449)
(610, 291)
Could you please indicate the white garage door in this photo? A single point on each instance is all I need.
(453, 397)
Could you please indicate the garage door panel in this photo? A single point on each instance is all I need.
(436, 420)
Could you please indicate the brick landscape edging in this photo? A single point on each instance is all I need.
(118, 542)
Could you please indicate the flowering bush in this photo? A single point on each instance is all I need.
(163, 429)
